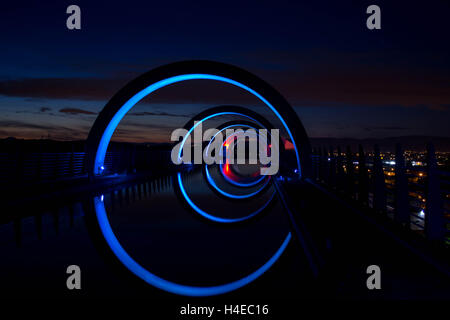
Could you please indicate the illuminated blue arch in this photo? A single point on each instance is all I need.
(112, 125)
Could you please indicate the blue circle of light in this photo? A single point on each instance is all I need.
(239, 184)
(105, 226)
(192, 204)
(214, 185)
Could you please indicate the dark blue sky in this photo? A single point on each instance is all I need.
(342, 79)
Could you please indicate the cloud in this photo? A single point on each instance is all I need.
(22, 124)
(166, 114)
(327, 79)
(386, 128)
(142, 125)
(41, 110)
(76, 111)
(27, 130)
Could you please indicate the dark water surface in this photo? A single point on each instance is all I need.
(155, 227)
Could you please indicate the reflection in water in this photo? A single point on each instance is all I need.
(152, 225)
(149, 235)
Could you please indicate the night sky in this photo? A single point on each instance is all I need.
(342, 79)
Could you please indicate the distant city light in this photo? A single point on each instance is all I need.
(422, 213)
(390, 162)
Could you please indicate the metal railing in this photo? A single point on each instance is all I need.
(415, 196)
(23, 167)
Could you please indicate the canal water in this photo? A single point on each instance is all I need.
(161, 231)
